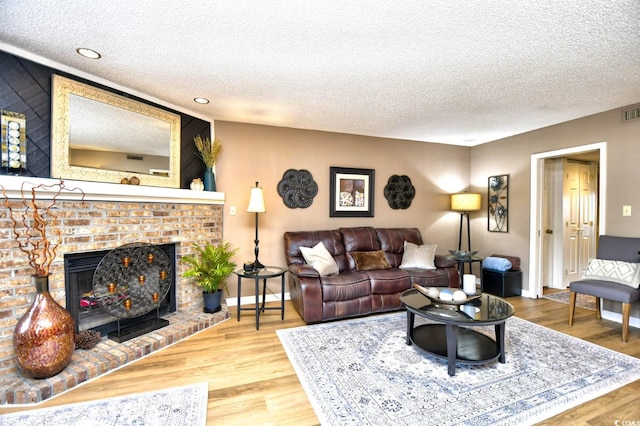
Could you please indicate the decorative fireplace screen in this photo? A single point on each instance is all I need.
(85, 307)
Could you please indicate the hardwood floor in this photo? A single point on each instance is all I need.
(252, 382)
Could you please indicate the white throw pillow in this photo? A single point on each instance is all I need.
(320, 259)
(416, 256)
(613, 270)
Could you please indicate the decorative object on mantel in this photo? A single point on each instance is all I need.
(297, 188)
(208, 151)
(210, 267)
(498, 217)
(44, 338)
(197, 185)
(256, 205)
(14, 142)
(130, 281)
(133, 180)
(399, 192)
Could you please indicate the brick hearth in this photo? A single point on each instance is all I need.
(110, 216)
(104, 357)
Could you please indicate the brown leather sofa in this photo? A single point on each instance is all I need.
(352, 292)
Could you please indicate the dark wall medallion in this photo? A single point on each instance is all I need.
(297, 188)
(399, 192)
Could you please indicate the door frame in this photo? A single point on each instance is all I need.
(535, 214)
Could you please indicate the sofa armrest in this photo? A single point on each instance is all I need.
(442, 261)
(303, 270)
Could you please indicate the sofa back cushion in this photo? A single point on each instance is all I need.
(392, 242)
(359, 239)
(332, 241)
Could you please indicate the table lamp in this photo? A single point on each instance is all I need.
(256, 205)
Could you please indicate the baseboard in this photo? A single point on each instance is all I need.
(527, 293)
(614, 316)
(251, 300)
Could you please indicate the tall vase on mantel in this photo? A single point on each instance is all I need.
(209, 180)
(44, 339)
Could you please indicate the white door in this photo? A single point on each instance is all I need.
(579, 216)
(552, 224)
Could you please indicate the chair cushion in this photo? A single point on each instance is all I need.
(320, 259)
(606, 290)
(418, 256)
(613, 270)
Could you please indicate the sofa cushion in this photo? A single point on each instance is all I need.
(360, 239)
(332, 241)
(389, 281)
(392, 242)
(440, 277)
(320, 259)
(345, 286)
(369, 260)
(418, 256)
(613, 270)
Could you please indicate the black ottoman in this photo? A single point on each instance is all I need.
(502, 284)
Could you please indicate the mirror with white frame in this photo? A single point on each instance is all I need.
(100, 136)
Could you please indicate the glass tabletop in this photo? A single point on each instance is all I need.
(468, 259)
(266, 272)
(488, 308)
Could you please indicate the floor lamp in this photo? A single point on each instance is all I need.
(465, 203)
(256, 205)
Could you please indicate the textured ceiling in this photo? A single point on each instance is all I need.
(457, 72)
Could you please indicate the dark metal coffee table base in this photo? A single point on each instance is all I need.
(456, 344)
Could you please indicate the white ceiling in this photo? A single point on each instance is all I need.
(456, 72)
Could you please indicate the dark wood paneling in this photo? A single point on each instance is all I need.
(25, 87)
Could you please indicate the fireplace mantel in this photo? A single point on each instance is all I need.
(98, 191)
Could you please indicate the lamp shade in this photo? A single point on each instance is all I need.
(256, 200)
(465, 202)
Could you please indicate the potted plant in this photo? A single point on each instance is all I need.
(208, 151)
(209, 267)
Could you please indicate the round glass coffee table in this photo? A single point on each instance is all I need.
(449, 338)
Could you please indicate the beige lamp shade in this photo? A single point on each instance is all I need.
(466, 202)
(256, 200)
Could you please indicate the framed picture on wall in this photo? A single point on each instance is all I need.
(351, 192)
(498, 214)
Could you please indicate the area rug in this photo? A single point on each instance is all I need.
(179, 406)
(361, 372)
(582, 300)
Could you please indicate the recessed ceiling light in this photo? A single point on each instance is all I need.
(88, 53)
(201, 100)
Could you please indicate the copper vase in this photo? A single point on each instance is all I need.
(44, 338)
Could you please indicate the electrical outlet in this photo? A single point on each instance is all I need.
(626, 210)
(232, 210)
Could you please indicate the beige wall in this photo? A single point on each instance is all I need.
(513, 156)
(262, 153)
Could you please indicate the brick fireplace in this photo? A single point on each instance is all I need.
(110, 216)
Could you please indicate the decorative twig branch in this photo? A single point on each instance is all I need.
(31, 222)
